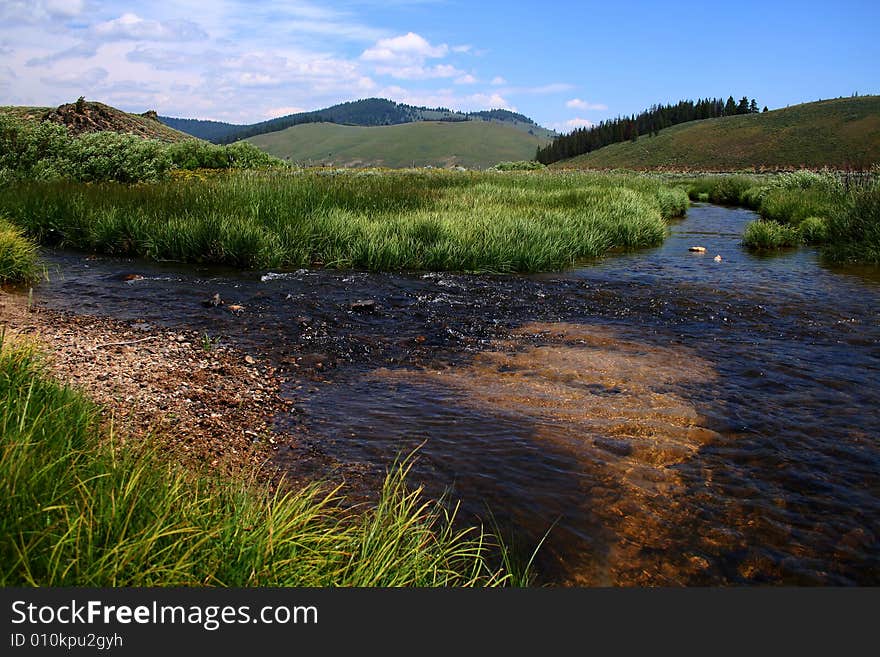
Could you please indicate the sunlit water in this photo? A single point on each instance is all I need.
(669, 419)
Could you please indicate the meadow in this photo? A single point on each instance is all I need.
(390, 220)
(82, 506)
(804, 207)
(471, 144)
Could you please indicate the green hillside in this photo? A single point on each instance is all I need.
(367, 112)
(471, 144)
(840, 133)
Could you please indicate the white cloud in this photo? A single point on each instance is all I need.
(163, 60)
(131, 27)
(82, 50)
(447, 98)
(275, 112)
(80, 79)
(409, 47)
(65, 8)
(39, 11)
(258, 80)
(417, 72)
(572, 124)
(577, 103)
(241, 61)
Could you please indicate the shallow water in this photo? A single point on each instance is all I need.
(668, 418)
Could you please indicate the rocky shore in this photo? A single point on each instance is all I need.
(206, 403)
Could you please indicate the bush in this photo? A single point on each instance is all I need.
(102, 156)
(32, 150)
(36, 151)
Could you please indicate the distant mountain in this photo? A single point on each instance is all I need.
(370, 112)
(213, 131)
(473, 143)
(842, 133)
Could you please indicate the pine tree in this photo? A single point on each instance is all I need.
(730, 107)
(753, 107)
(765, 109)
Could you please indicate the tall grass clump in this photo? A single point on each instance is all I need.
(854, 229)
(723, 190)
(79, 509)
(766, 235)
(484, 222)
(18, 255)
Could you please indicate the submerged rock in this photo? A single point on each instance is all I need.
(363, 306)
(235, 309)
(697, 249)
(213, 302)
(717, 258)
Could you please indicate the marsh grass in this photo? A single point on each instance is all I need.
(18, 255)
(495, 222)
(767, 235)
(79, 509)
(803, 207)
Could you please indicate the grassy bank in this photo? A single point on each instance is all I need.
(803, 208)
(18, 255)
(77, 510)
(498, 222)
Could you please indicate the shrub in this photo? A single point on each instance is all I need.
(36, 151)
(101, 156)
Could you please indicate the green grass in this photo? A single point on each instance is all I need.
(18, 255)
(842, 133)
(768, 235)
(495, 222)
(803, 207)
(78, 509)
(471, 144)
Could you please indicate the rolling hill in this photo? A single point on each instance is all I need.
(472, 144)
(368, 112)
(841, 133)
(98, 117)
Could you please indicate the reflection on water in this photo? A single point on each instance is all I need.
(675, 419)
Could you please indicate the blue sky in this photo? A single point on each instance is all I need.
(565, 64)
